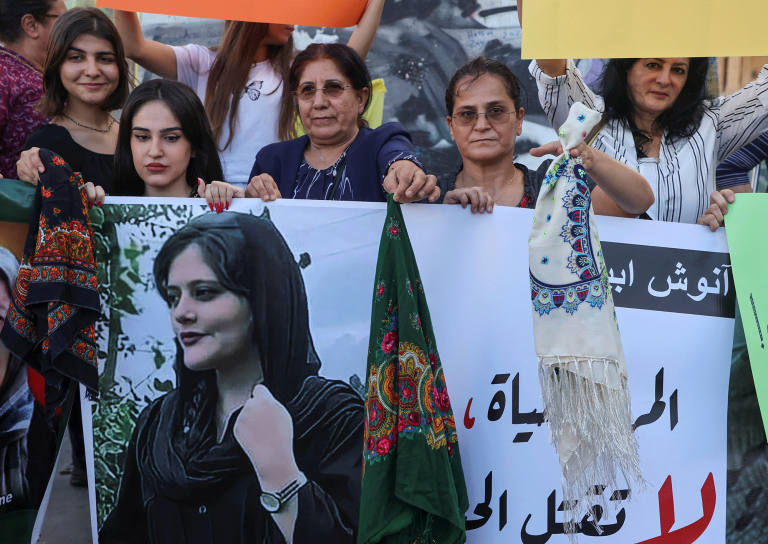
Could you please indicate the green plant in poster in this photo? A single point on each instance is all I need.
(746, 227)
(121, 276)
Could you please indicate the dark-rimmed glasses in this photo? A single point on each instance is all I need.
(331, 90)
(495, 116)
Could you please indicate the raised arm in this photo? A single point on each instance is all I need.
(156, 57)
(551, 67)
(741, 116)
(557, 94)
(365, 31)
(621, 190)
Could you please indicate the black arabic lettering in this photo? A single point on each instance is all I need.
(586, 527)
(657, 409)
(483, 509)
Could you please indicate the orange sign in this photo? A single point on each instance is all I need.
(328, 13)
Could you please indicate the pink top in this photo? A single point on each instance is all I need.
(21, 87)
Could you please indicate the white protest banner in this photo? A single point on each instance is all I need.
(676, 328)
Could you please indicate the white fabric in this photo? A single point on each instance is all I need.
(257, 115)
(582, 371)
(684, 174)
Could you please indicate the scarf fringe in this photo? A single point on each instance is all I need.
(600, 417)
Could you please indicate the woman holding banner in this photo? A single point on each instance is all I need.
(660, 121)
(340, 158)
(240, 81)
(252, 446)
(485, 119)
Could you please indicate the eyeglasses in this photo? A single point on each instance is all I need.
(331, 90)
(495, 116)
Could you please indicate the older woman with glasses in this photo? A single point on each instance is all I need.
(339, 158)
(485, 118)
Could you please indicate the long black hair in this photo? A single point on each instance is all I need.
(250, 258)
(188, 109)
(679, 122)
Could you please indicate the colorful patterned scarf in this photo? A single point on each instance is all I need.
(55, 303)
(413, 483)
(582, 371)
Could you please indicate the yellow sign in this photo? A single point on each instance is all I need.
(558, 29)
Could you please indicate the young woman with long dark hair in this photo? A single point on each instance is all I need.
(85, 78)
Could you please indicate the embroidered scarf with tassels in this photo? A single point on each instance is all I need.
(55, 302)
(582, 372)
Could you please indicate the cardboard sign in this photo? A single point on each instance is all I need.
(555, 29)
(746, 226)
(335, 13)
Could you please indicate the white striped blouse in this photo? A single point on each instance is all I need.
(684, 174)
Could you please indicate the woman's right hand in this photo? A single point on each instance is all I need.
(218, 194)
(263, 187)
(95, 194)
(718, 207)
(477, 198)
(29, 166)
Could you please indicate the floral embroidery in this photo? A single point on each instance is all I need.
(56, 211)
(581, 118)
(416, 321)
(545, 260)
(416, 403)
(549, 217)
(46, 192)
(584, 135)
(380, 288)
(58, 161)
(409, 287)
(393, 229)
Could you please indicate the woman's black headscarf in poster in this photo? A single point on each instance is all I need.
(178, 448)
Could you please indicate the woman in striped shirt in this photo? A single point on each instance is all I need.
(660, 121)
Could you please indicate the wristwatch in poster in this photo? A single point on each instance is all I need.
(274, 502)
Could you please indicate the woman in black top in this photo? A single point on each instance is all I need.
(482, 102)
(252, 446)
(85, 78)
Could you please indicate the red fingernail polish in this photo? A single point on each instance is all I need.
(210, 205)
(227, 206)
(90, 205)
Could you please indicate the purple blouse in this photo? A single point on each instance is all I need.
(21, 87)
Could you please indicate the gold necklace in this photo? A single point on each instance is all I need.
(509, 184)
(20, 60)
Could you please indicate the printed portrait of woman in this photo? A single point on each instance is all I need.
(251, 446)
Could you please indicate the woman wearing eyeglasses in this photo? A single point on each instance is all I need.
(339, 158)
(485, 119)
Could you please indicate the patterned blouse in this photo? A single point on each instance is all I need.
(21, 87)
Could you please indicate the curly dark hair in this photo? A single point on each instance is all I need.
(679, 122)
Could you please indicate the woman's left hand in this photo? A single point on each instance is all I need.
(264, 429)
(408, 182)
(218, 194)
(718, 207)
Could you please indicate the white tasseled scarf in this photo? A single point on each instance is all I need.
(582, 371)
